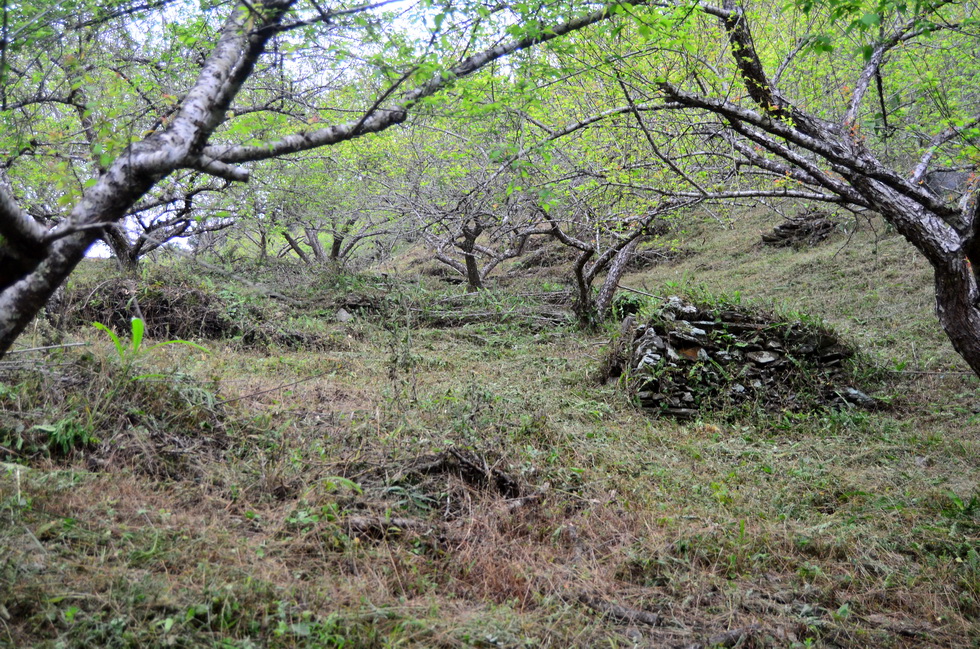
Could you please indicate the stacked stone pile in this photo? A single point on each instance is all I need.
(690, 358)
(806, 229)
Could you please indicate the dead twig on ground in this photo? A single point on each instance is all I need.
(728, 638)
(619, 613)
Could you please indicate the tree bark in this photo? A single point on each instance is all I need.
(313, 238)
(603, 302)
(294, 244)
(584, 306)
(956, 305)
(336, 246)
(470, 235)
(124, 251)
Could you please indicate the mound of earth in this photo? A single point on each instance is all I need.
(806, 229)
(174, 310)
(690, 358)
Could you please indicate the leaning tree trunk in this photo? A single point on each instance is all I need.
(948, 252)
(294, 244)
(603, 303)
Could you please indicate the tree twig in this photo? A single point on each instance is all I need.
(41, 349)
(633, 290)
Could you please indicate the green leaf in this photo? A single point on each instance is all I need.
(333, 482)
(870, 19)
(138, 328)
(120, 349)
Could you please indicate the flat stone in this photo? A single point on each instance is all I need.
(653, 340)
(858, 398)
(763, 358)
(832, 358)
(649, 360)
(343, 315)
(682, 413)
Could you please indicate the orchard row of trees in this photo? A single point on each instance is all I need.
(477, 128)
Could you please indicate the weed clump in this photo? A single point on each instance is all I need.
(88, 409)
(693, 357)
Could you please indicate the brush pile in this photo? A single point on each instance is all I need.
(174, 308)
(690, 358)
(806, 229)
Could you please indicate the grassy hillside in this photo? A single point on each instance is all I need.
(446, 470)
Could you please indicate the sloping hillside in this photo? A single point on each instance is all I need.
(380, 461)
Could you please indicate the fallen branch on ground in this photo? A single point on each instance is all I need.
(619, 613)
(728, 638)
(378, 526)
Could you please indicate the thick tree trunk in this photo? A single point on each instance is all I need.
(15, 264)
(28, 295)
(472, 272)
(336, 247)
(956, 305)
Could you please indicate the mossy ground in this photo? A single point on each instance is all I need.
(293, 511)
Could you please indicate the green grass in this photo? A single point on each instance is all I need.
(225, 505)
